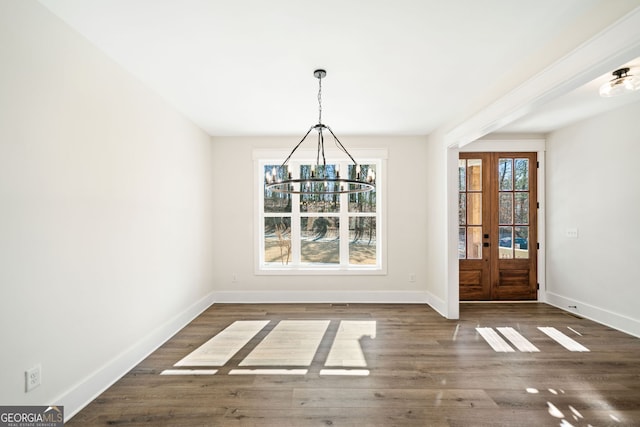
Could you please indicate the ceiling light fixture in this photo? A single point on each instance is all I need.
(621, 84)
(320, 178)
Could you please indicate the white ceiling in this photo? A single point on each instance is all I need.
(245, 67)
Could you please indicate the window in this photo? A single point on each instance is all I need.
(332, 233)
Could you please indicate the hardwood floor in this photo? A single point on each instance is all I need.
(414, 368)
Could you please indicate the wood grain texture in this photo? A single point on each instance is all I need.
(424, 370)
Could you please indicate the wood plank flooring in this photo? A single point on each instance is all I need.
(419, 369)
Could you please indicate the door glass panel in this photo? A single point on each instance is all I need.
(522, 174)
(474, 208)
(474, 175)
(522, 208)
(505, 242)
(474, 242)
(362, 240)
(462, 209)
(505, 175)
(462, 175)
(320, 240)
(521, 242)
(505, 209)
(462, 243)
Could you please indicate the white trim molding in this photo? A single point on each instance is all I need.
(618, 43)
(81, 394)
(323, 297)
(605, 317)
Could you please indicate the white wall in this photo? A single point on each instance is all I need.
(592, 185)
(105, 213)
(406, 227)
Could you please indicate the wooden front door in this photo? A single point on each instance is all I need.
(497, 243)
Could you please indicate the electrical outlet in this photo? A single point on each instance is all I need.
(33, 378)
(412, 277)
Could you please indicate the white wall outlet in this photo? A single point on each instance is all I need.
(412, 277)
(32, 378)
(571, 233)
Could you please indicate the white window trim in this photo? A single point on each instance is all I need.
(364, 156)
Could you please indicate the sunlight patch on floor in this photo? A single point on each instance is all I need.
(290, 343)
(189, 372)
(221, 348)
(346, 350)
(563, 340)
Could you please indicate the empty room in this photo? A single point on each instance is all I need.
(346, 213)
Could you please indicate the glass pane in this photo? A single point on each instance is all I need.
(474, 208)
(505, 209)
(505, 174)
(362, 202)
(462, 243)
(320, 240)
(521, 242)
(462, 208)
(474, 242)
(505, 242)
(462, 175)
(522, 208)
(522, 174)
(362, 240)
(314, 202)
(273, 201)
(474, 175)
(277, 239)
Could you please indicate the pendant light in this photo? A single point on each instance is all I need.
(320, 179)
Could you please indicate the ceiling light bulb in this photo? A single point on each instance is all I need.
(621, 84)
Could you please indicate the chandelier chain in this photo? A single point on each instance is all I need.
(319, 99)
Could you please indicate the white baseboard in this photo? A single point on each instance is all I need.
(597, 314)
(438, 304)
(322, 297)
(84, 392)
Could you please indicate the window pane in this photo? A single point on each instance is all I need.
(522, 174)
(320, 240)
(474, 175)
(362, 202)
(521, 242)
(505, 242)
(273, 201)
(505, 174)
(462, 208)
(522, 208)
(474, 242)
(462, 243)
(314, 202)
(505, 209)
(318, 203)
(474, 208)
(362, 240)
(462, 175)
(277, 239)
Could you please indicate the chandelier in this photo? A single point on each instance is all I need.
(320, 179)
(622, 83)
